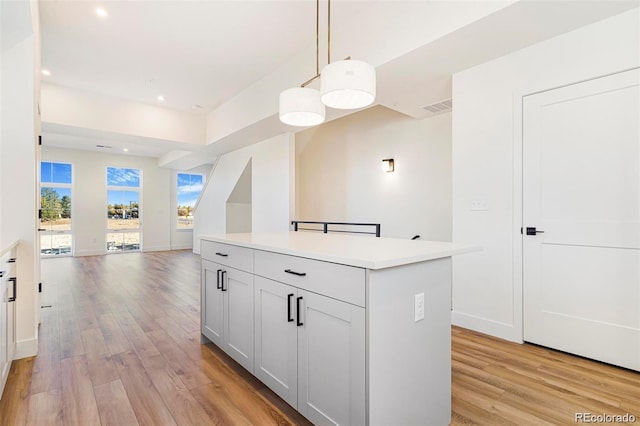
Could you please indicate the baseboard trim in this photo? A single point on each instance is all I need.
(89, 253)
(156, 248)
(182, 247)
(483, 325)
(26, 348)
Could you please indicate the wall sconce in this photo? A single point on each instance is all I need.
(387, 165)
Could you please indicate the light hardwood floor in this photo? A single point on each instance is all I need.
(120, 345)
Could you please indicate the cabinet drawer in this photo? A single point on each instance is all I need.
(340, 282)
(228, 255)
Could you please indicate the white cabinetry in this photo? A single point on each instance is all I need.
(310, 350)
(8, 288)
(333, 329)
(227, 301)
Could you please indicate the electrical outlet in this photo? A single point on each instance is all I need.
(418, 311)
(479, 206)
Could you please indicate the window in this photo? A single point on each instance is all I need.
(124, 227)
(56, 236)
(189, 189)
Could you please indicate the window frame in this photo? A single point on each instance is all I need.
(177, 205)
(138, 189)
(54, 185)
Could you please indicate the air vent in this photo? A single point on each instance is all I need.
(439, 106)
(104, 146)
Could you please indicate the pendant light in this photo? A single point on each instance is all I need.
(301, 106)
(346, 84)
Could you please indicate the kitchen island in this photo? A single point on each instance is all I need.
(347, 329)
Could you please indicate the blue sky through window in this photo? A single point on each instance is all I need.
(189, 188)
(120, 176)
(55, 172)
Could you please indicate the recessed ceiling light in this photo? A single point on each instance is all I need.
(46, 72)
(125, 149)
(161, 98)
(101, 12)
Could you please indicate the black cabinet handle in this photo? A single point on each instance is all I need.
(12, 260)
(300, 274)
(218, 279)
(299, 323)
(222, 254)
(289, 296)
(15, 289)
(222, 282)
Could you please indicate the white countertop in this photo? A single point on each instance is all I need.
(354, 250)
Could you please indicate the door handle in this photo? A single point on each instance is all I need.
(298, 323)
(42, 229)
(15, 289)
(218, 279)
(224, 273)
(289, 318)
(533, 231)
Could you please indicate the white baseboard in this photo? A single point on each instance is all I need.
(182, 247)
(89, 253)
(26, 348)
(156, 248)
(483, 325)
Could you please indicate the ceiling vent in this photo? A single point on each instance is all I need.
(439, 106)
(104, 146)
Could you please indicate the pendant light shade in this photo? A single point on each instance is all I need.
(348, 84)
(301, 106)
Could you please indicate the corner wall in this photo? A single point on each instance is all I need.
(18, 140)
(340, 176)
(487, 286)
(272, 177)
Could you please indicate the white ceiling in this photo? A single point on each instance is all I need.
(205, 52)
(191, 52)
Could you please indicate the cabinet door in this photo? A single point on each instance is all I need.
(331, 360)
(238, 316)
(212, 315)
(276, 338)
(4, 360)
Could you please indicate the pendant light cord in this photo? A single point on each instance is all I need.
(328, 32)
(317, 36)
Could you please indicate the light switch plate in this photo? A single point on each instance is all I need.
(418, 311)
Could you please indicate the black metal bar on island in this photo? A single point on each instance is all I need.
(325, 227)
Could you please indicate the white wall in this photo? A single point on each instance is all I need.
(18, 140)
(340, 176)
(72, 107)
(272, 177)
(487, 286)
(89, 200)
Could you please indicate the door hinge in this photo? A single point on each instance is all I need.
(40, 140)
(39, 287)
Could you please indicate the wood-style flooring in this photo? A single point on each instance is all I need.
(120, 345)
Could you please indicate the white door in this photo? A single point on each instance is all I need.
(581, 187)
